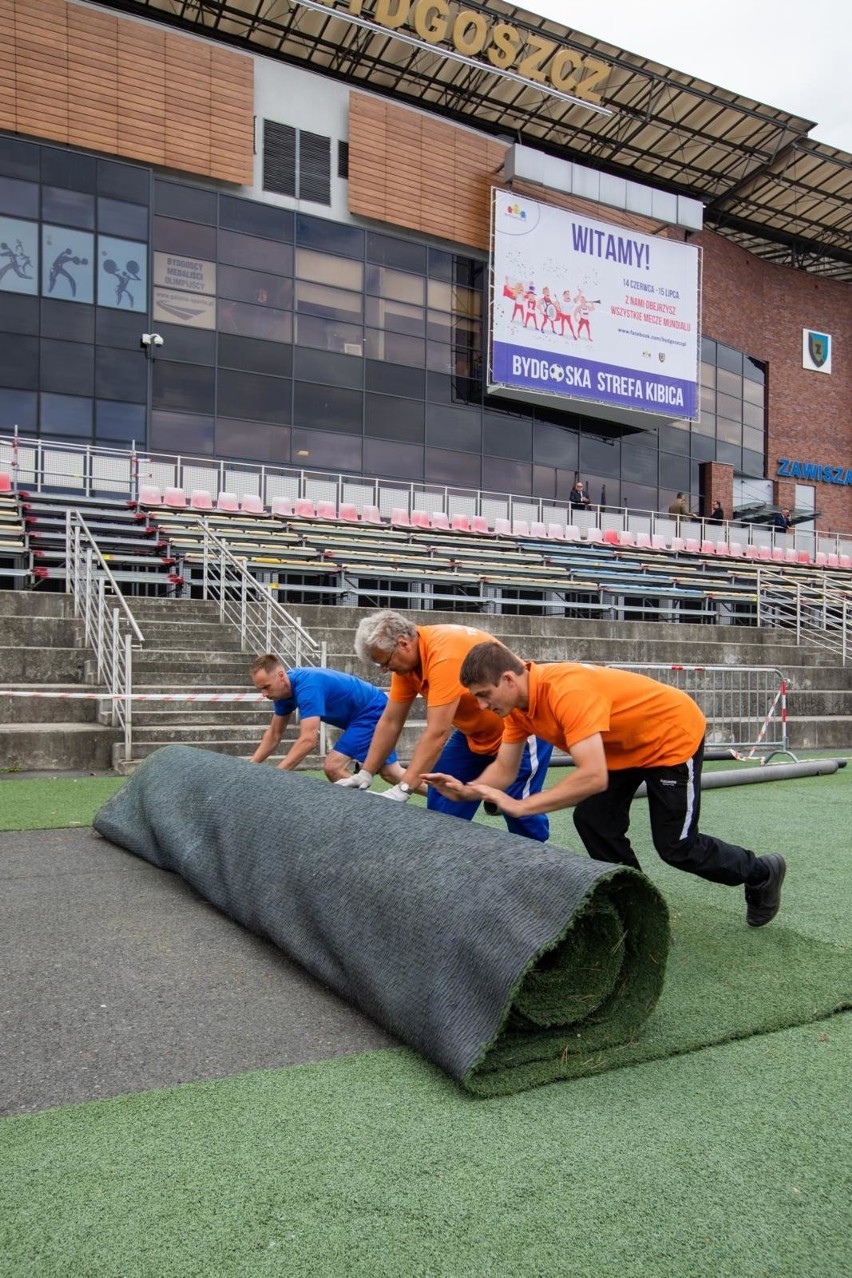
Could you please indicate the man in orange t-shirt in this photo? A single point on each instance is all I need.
(621, 729)
(460, 736)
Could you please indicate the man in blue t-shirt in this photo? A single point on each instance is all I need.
(321, 696)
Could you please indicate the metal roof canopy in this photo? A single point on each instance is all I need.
(764, 184)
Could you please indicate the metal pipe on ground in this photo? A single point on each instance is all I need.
(768, 772)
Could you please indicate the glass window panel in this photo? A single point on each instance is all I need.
(64, 319)
(395, 316)
(255, 253)
(70, 169)
(393, 460)
(640, 465)
(66, 415)
(440, 326)
(255, 286)
(637, 496)
(454, 298)
(708, 374)
(328, 367)
(195, 345)
(729, 383)
(674, 472)
(730, 431)
(703, 448)
(395, 347)
(18, 408)
(754, 392)
(19, 314)
(321, 268)
(328, 407)
(255, 356)
(182, 386)
(189, 203)
(186, 238)
(454, 427)
(329, 335)
(116, 217)
(330, 237)
(555, 446)
(675, 437)
(754, 415)
(507, 436)
(388, 417)
(728, 407)
(564, 483)
(118, 328)
(395, 379)
(254, 321)
(727, 357)
(729, 453)
(441, 264)
(121, 374)
(115, 420)
(330, 451)
(69, 208)
(439, 358)
(754, 370)
(445, 467)
(19, 198)
(389, 251)
(753, 440)
(255, 218)
(385, 282)
(181, 433)
(124, 181)
(753, 464)
(253, 395)
(707, 399)
(504, 476)
(600, 457)
(19, 361)
(543, 482)
(705, 425)
(329, 303)
(67, 367)
(252, 441)
(19, 159)
(708, 350)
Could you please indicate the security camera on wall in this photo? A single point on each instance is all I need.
(151, 339)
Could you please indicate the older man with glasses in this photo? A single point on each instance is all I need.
(460, 738)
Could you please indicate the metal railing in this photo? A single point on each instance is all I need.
(816, 611)
(110, 628)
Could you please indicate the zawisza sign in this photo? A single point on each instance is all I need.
(469, 34)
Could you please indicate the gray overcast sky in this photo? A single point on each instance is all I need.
(793, 56)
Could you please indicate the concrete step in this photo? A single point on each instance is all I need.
(47, 710)
(56, 746)
(18, 664)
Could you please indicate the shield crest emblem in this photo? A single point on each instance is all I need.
(818, 348)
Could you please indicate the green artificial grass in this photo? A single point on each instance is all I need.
(729, 1163)
(53, 803)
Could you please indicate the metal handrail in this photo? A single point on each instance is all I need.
(820, 614)
(109, 632)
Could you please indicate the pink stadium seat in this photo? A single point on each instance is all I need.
(326, 510)
(791, 556)
(174, 497)
(251, 504)
(479, 524)
(752, 552)
(779, 555)
(693, 545)
(520, 528)
(735, 549)
(803, 557)
(708, 547)
(399, 517)
(420, 519)
(371, 515)
(833, 561)
(845, 561)
(610, 537)
(764, 553)
(201, 499)
(538, 529)
(303, 508)
(821, 559)
(572, 532)
(348, 511)
(282, 507)
(440, 520)
(150, 495)
(556, 532)
(502, 527)
(461, 523)
(643, 541)
(722, 548)
(5, 482)
(678, 544)
(626, 538)
(658, 542)
(595, 535)
(228, 502)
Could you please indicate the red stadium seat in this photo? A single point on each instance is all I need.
(461, 523)
(304, 508)
(174, 497)
(420, 519)
(502, 527)
(150, 495)
(201, 499)
(348, 512)
(5, 482)
(610, 537)
(399, 517)
(326, 510)
(479, 524)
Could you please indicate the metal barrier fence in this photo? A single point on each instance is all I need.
(745, 706)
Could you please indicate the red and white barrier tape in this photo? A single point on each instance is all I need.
(138, 696)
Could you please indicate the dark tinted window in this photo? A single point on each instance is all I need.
(18, 408)
(19, 159)
(190, 203)
(113, 328)
(67, 367)
(66, 415)
(124, 182)
(70, 208)
(330, 237)
(255, 321)
(255, 356)
(454, 428)
(121, 374)
(18, 313)
(181, 433)
(328, 408)
(504, 476)
(544, 482)
(258, 287)
(554, 446)
(182, 386)
(402, 254)
(19, 362)
(252, 395)
(255, 440)
(19, 198)
(332, 452)
(444, 467)
(195, 345)
(124, 422)
(256, 253)
(387, 417)
(67, 320)
(116, 217)
(394, 461)
(674, 472)
(171, 236)
(395, 379)
(599, 457)
(328, 367)
(256, 219)
(728, 358)
(69, 169)
(507, 437)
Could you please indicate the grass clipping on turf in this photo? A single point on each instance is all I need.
(507, 962)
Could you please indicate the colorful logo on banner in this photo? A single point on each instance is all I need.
(18, 255)
(589, 311)
(816, 351)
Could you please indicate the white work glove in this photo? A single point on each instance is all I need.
(361, 780)
(397, 794)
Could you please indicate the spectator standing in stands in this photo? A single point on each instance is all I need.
(717, 514)
(781, 520)
(679, 506)
(321, 696)
(621, 728)
(578, 495)
(460, 736)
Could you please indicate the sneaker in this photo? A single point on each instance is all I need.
(762, 902)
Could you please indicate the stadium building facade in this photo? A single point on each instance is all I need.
(264, 232)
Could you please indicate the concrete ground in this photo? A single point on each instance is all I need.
(118, 977)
